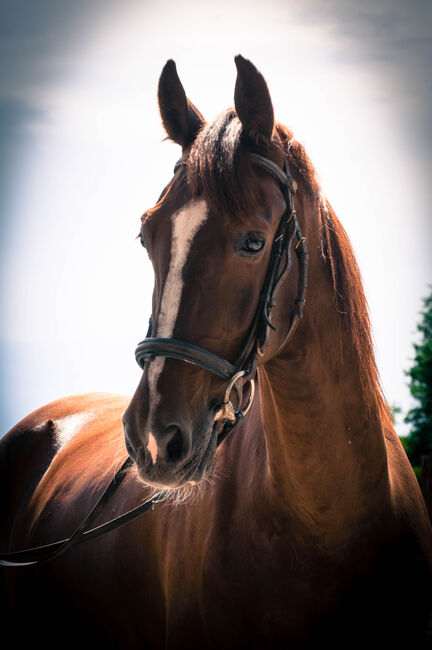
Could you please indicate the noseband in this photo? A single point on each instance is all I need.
(244, 368)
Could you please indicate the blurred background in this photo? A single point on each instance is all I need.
(82, 157)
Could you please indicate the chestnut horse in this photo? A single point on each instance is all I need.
(305, 526)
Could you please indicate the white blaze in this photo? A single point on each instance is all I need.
(186, 223)
(152, 447)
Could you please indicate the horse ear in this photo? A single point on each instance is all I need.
(253, 103)
(181, 119)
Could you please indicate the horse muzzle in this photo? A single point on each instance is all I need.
(174, 455)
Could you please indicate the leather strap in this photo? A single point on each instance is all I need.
(160, 347)
(43, 554)
(282, 175)
(256, 338)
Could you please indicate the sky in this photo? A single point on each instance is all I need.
(82, 156)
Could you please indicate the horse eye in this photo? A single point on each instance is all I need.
(142, 240)
(254, 244)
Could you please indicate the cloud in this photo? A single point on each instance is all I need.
(17, 121)
(391, 32)
(38, 41)
(393, 38)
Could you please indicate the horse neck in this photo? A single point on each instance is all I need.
(322, 412)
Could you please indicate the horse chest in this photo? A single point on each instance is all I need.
(244, 592)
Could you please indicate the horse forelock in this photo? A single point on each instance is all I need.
(219, 169)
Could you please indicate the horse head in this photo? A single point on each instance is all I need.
(219, 239)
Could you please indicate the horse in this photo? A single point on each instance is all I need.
(291, 516)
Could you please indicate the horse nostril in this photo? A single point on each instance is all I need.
(174, 448)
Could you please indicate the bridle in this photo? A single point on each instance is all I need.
(245, 365)
(244, 368)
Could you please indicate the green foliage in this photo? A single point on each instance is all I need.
(419, 442)
(394, 411)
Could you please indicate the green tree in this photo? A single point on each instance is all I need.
(419, 441)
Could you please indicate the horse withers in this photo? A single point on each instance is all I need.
(294, 519)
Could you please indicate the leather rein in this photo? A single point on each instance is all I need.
(244, 368)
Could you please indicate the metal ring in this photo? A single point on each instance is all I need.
(227, 410)
(230, 386)
(251, 397)
(233, 381)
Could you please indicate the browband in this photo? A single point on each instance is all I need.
(282, 176)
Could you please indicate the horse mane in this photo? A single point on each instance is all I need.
(220, 170)
(350, 300)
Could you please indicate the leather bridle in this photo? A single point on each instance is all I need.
(245, 365)
(244, 368)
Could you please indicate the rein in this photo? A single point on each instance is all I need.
(244, 368)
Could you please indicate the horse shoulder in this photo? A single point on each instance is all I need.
(50, 449)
